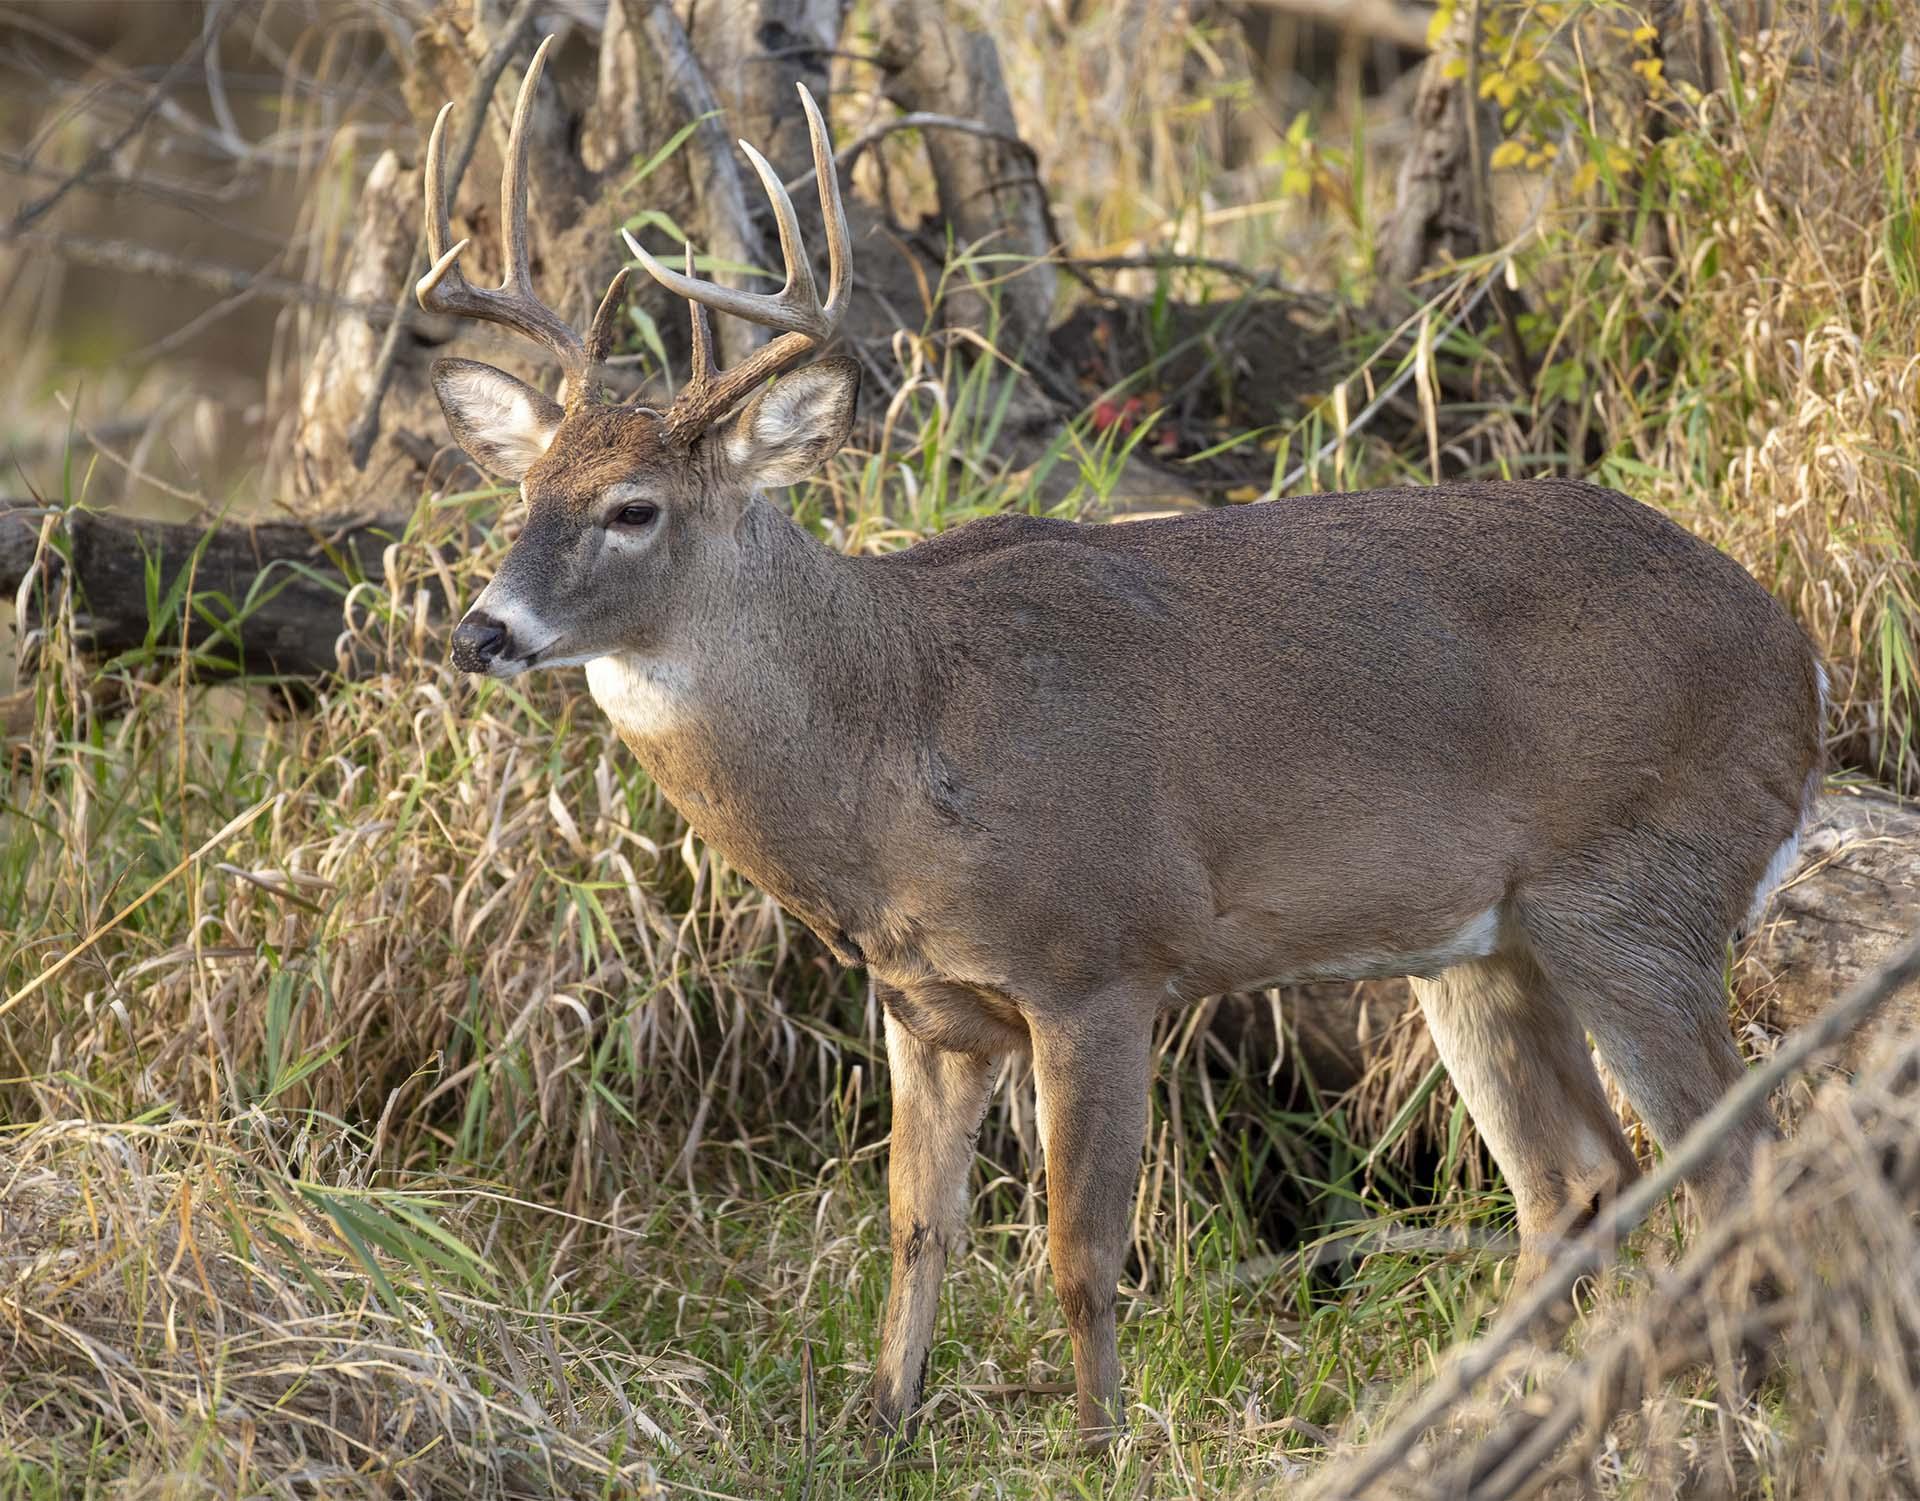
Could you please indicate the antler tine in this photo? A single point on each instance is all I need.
(439, 228)
(833, 213)
(513, 305)
(800, 295)
(600, 331)
(701, 372)
(513, 178)
(795, 310)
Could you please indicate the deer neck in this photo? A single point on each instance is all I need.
(781, 727)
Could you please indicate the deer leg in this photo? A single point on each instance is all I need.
(939, 1100)
(1094, 1078)
(1663, 1034)
(1518, 1057)
(1631, 940)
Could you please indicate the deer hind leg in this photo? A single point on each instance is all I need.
(1519, 1059)
(939, 1100)
(1633, 943)
(1094, 1078)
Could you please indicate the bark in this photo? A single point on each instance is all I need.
(1435, 217)
(991, 197)
(754, 52)
(341, 371)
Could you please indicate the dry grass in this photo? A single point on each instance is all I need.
(188, 1315)
(460, 1126)
(1659, 1392)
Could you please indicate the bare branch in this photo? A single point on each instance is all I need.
(913, 120)
(144, 260)
(105, 153)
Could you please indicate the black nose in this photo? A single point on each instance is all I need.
(477, 641)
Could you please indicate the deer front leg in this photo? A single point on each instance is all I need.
(1092, 1075)
(939, 1100)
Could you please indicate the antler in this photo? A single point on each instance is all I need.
(512, 304)
(796, 310)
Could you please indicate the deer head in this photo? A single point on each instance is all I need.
(632, 513)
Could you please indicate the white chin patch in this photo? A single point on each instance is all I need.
(644, 699)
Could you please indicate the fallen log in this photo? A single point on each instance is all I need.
(253, 597)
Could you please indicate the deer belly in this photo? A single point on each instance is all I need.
(957, 1018)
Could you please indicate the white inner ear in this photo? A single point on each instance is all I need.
(500, 409)
(779, 419)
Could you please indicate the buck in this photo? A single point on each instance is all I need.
(1532, 744)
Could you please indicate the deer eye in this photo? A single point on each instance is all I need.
(639, 513)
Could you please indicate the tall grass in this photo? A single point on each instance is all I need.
(397, 1099)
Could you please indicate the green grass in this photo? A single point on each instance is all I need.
(460, 1125)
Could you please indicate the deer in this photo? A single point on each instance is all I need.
(1530, 743)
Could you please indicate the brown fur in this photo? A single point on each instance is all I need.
(1532, 741)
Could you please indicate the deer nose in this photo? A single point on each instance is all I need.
(477, 642)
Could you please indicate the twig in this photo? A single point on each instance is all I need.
(176, 191)
(145, 260)
(1590, 1251)
(134, 469)
(365, 431)
(105, 153)
(912, 120)
(33, 450)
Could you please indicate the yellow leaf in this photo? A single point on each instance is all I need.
(1507, 154)
(1645, 34)
(1584, 177)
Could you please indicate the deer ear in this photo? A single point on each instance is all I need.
(502, 423)
(794, 426)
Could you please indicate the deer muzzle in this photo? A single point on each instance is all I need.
(479, 641)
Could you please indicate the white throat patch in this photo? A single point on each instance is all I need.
(644, 699)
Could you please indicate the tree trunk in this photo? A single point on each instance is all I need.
(754, 52)
(990, 196)
(1436, 216)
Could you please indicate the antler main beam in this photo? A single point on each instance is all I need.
(512, 304)
(804, 322)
